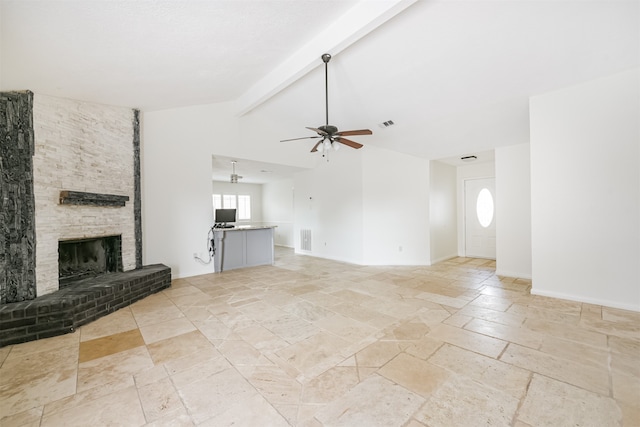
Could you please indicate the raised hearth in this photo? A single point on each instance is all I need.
(81, 302)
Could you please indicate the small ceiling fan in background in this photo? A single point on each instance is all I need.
(329, 134)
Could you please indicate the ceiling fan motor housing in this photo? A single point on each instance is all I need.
(330, 129)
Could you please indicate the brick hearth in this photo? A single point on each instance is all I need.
(85, 300)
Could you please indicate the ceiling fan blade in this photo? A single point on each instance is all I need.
(354, 132)
(315, 147)
(348, 142)
(296, 139)
(318, 131)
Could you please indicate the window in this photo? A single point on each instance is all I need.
(231, 201)
(244, 207)
(217, 201)
(485, 208)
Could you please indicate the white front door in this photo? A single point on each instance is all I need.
(480, 218)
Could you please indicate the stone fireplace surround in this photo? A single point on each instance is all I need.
(61, 159)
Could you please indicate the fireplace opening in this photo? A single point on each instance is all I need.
(82, 258)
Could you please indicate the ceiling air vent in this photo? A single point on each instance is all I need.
(386, 124)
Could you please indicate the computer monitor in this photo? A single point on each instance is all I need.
(224, 216)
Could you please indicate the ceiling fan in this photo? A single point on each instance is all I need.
(327, 132)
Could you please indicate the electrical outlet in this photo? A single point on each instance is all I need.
(195, 255)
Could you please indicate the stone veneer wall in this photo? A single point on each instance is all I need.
(17, 205)
(86, 147)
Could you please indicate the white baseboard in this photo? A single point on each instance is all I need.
(578, 298)
(443, 258)
(507, 273)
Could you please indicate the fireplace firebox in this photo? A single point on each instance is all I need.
(82, 258)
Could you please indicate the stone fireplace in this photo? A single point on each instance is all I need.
(70, 193)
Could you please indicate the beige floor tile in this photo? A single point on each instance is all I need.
(491, 372)
(119, 408)
(362, 314)
(184, 345)
(374, 402)
(213, 329)
(567, 332)
(467, 339)
(415, 374)
(86, 396)
(492, 302)
(150, 315)
(569, 371)
(422, 348)
(565, 405)
(290, 328)
(111, 324)
(464, 402)
(330, 385)
(226, 398)
(407, 331)
(308, 311)
(113, 368)
(240, 353)
(106, 345)
(160, 400)
(501, 317)
(262, 339)
(274, 383)
(32, 379)
(581, 353)
(443, 299)
(626, 388)
(261, 311)
(314, 354)
(377, 354)
(315, 342)
(67, 342)
(28, 418)
(516, 334)
(161, 331)
(348, 329)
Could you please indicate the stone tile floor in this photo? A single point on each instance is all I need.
(312, 342)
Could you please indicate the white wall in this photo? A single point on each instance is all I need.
(328, 201)
(241, 188)
(443, 212)
(177, 212)
(277, 209)
(395, 208)
(463, 173)
(585, 192)
(513, 211)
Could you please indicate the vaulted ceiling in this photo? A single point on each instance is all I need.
(454, 76)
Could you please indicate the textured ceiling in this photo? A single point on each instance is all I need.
(455, 76)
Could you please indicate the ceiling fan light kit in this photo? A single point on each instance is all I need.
(234, 175)
(329, 134)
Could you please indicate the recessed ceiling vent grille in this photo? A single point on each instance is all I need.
(386, 124)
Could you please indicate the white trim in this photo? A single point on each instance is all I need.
(506, 273)
(443, 258)
(594, 301)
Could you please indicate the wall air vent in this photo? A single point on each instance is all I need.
(305, 239)
(386, 124)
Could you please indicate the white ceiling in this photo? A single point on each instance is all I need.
(251, 171)
(455, 76)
